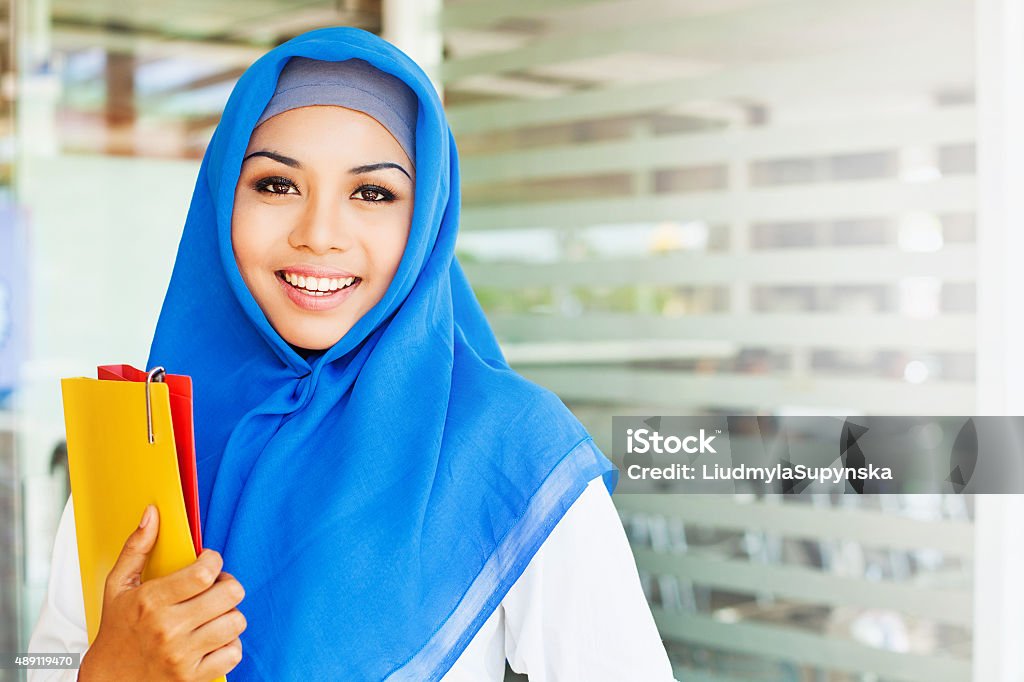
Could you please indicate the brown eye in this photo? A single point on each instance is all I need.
(275, 185)
(374, 194)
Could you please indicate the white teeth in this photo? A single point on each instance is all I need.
(317, 286)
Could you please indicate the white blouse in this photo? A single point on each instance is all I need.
(576, 613)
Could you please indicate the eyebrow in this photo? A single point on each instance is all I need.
(288, 161)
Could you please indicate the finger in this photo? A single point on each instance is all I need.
(191, 580)
(219, 631)
(127, 570)
(221, 661)
(222, 597)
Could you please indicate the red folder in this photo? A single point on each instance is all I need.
(180, 389)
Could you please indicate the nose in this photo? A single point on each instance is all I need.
(321, 227)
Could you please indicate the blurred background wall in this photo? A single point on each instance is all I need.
(670, 207)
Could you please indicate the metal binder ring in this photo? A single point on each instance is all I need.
(155, 374)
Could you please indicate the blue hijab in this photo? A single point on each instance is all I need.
(376, 500)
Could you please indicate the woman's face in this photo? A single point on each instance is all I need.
(322, 212)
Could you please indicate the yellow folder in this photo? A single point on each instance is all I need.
(115, 472)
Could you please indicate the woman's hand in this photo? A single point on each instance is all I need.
(181, 627)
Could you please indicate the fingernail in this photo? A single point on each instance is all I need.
(145, 516)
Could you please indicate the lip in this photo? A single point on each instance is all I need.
(317, 303)
(316, 271)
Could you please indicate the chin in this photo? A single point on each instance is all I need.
(311, 332)
(310, 336)
(312, 342)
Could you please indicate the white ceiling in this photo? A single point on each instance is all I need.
(191, 51)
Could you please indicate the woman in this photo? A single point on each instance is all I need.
(393, 501)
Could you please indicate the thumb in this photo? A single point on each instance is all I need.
(127, 570)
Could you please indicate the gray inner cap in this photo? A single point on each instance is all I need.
(353, 84)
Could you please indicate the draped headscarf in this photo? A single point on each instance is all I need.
(376, 500)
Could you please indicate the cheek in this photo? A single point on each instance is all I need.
(249, 242)
(387, 253)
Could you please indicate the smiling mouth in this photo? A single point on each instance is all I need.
(317, 286)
